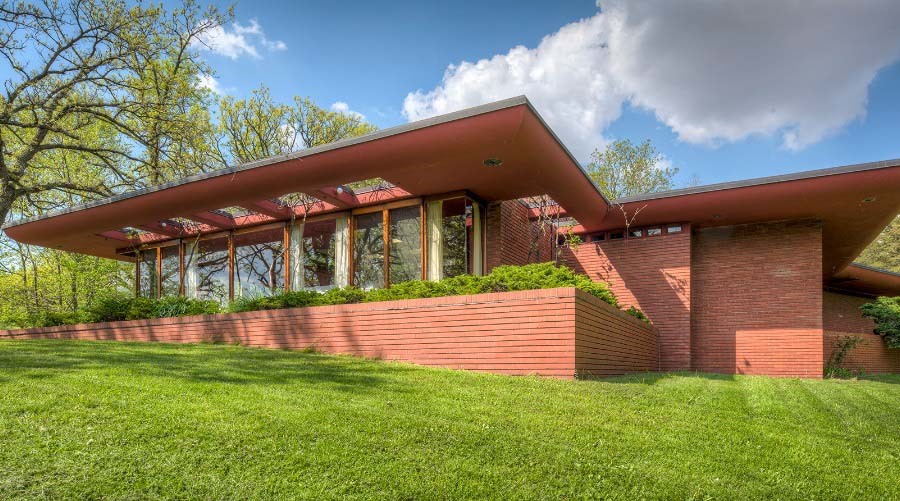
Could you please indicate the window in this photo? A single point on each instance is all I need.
(316, 265)
(405, 244)
(454, 238)
(652, 232)
(259, 263)
(148, 274)
(170, 280)
(368, 250)
(635, 234)
(673, 228)
(597, 237)
(206, 276)
(616, 235)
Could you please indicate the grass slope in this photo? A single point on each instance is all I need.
(91, 420)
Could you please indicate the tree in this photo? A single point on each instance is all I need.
(89, 78)
(884, 252)
(625, 169)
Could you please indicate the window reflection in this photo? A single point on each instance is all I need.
(405, 244)
(170, 281)
(209, 261)
(319, 254)
(368, 251)
(259, 263)
(148, 273)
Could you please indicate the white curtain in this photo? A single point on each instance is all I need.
(191, 272)
(296, 256)
(434, 253)
(477, 241)
(342, 252)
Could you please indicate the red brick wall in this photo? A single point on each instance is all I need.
(756, 302)
(608, 342)
(652, 274)
(872, 356)
(527, 332)
(511, 238)
(840, 313)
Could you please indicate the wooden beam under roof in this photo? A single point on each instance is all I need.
(167, 228)
(337, 195)
(269, 208)
(212, 219)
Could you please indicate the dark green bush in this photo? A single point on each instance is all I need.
(501, 279)
(122, 307)
(885, 311)
(54, 318)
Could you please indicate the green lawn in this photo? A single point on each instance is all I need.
(92, 420)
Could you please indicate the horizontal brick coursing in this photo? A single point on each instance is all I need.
(527, 332)
(757, 299)
(652, 274)
(840, 313)
(511, 238)
(608, 342)
(871, 356)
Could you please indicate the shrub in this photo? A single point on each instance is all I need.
(638, 314)
(501, 279)
(122, 307)
(842, 347)
(885, 311)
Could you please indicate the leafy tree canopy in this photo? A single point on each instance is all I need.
(625, 168)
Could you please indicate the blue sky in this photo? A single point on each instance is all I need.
(752, 93)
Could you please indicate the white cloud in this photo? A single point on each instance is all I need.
(342, 107)
(208, 82)
(240, 40)
(711, 71)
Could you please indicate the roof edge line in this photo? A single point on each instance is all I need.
(227, 171)
(746, 183)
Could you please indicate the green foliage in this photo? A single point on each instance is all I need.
(884, 252)
(99, 420)
(122, 307)
(297, 299)
(885, 311)
(624, 169)
(501, 279)
(842, 347)
(638, 314)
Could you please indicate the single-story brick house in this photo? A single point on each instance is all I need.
(753, 277)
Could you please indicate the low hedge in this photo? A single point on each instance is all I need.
(885, 311)
(123, 307)
(501, 279)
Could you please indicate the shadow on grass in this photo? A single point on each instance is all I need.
(197, 363)
(651, 378)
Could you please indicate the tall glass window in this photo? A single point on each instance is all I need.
(148, 273)
(455, 238)
(170, 280)
(259, 263)
(368, 251)
(319, 254)
(405, 244)
(207, 274)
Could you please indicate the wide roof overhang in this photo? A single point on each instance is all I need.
(443, 154)
(854, 203)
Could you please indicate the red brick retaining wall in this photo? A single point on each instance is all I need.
(756, 303)
(527, 332)
(652, 274)
(872, 356)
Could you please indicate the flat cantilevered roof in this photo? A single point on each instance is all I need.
(448, 153)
